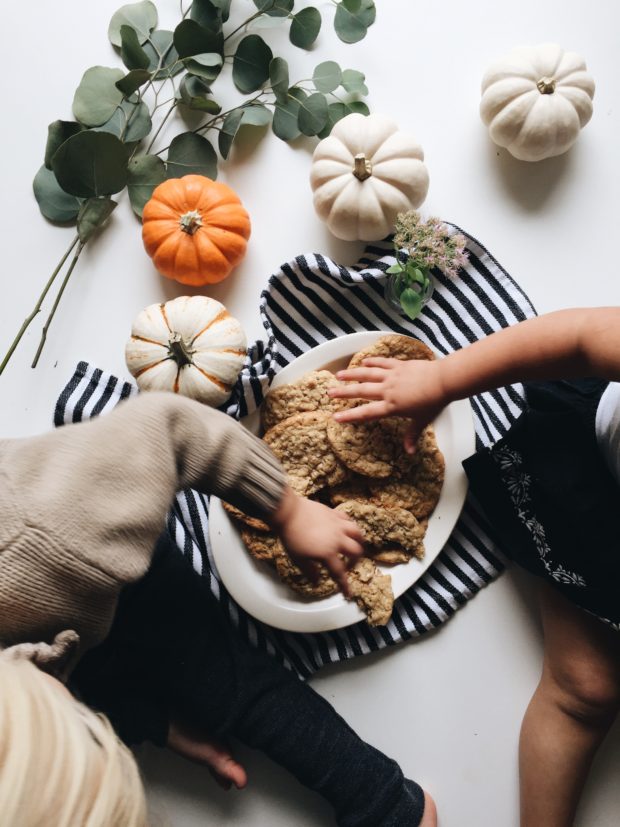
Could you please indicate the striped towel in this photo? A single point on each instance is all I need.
(307, 301)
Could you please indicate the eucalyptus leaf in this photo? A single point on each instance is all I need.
(133, 81)
(255, 114)
(251, 64)
(191, 154)
(142, 17)
(194, 91)
(411, 302)
(352, 26)
(93, 214)
(229, 129)
(207, 14)
(278, 77)
(352, 5)
(91, 163)
(207, 66)
(53, 201)
(335, 112)
(144, 173)
(190, 38)
(132, 53)
(275, 8)
(312, 114)
(327, 76)
(224, 7)
(357, 106)
(97, 96)
(395, 268)
(164, 59)
(353, 82)
(57, 134)
(305, 27)
(285, 116)
(130, 122)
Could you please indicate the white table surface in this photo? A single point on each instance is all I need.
(447, 707)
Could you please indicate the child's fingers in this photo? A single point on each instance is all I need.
(361, 375)
(338, 570)
(309, 568)
(351, 547)
(411, 438)
(352, 529)
(373, 410)
(381, 362)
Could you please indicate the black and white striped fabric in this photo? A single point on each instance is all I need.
(308, 301)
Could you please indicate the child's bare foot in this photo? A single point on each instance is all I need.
(214, 754)
(429, 819)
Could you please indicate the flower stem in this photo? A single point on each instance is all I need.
(55, 305)
(37, 307)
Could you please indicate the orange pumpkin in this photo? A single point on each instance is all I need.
(195, 229)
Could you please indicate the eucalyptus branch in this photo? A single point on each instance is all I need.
(37, 307)
(46, 327)
(159, 129)
(243, 25)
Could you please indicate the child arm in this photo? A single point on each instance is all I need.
(564, 344)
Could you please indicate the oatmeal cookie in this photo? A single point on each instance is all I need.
(309, 393)
(261, 545)
(393, 346)
(300, 443)
(383, 527)
(245, 519)
(368, 448)
(353, 488)
(389, 556)
(372, 591)
(294, 577)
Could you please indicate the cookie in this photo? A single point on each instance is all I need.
(393, 346)
(389, 556)
(294, 577)
(241, 517)
(372, 591)
(261, 545)
(368, 448)
(300, 443)
(354, 488)
(306, 394)
(386, 527)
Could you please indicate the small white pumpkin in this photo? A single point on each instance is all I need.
(364, 174)
(536, 100)
(190, 345)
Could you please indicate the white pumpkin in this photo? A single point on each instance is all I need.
(365, 173)
(190, 345)
(536, 100)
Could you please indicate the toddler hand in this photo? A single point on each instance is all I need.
(314, 533)
(397, 388)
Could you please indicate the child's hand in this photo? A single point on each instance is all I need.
(201, 748)
(314, 533)
(396, 388)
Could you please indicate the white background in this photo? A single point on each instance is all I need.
(447, 707)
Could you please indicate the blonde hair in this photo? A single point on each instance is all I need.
(60, 763)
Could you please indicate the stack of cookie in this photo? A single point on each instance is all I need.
(360, 469)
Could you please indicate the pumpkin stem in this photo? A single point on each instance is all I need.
(363, 168)
(179, 351)
(546, 86)
(190, 222)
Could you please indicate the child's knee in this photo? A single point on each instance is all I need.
(586, 691)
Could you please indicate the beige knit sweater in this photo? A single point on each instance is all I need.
(82, 507)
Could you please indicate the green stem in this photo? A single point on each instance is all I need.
(55, 305)
(37, 307)
(238, 29)
(159, 129)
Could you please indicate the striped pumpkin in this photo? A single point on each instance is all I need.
(190, 345)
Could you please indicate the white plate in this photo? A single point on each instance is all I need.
(257, 588)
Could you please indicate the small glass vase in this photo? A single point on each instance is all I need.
(391, 293)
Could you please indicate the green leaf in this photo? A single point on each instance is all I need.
(335, 112)
(229, 129)
(251, 64)
(194, 93)
(142, 17)
(132, 81)
(275, 8)
(395, 268)
(160, 49)
(97, 96)
(131, 122)
(191, 154)
(305, 27)
(411, 302)
(54, 202)
(352, 26)
(144, 173)
(285, 116)
(132, 53)
(224, 7)
(352, 5)
(312, 114)
(91, 163)
(207, 66)
(57, 134)
(255, 114)
(93, 214)
(327, 76)
(278, 77)
(357, 106)
(207, 14)
(190, 38)
(353, 82)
